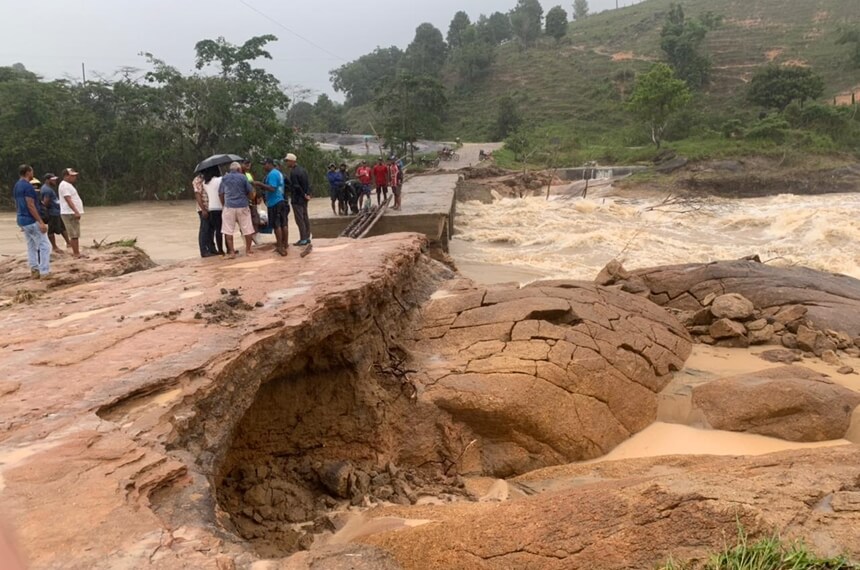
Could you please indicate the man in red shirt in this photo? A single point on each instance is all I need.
(365, 175)
(380, 175)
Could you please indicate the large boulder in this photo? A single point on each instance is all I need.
(545, 374)
(791, 403)
(829, 301)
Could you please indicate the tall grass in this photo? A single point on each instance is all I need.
(765, 554)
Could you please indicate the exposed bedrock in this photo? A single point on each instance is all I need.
(553, 372)
(832, 300)
(381, 398)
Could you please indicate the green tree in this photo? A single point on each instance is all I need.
(556, 23)
(495, 29)
(328, 115)
(526, 21)
(413, 107)
(457, 29)
(359, 80)
(301, 115)
(681, 40)
(580, 9)
(427, 52)
(851, 37)
(473, 61)
(775, 87)
(508, 118)
(657, 95)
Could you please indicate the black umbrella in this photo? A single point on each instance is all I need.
(217, 160)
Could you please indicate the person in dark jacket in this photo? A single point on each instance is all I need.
(300, 197)
(335, 183)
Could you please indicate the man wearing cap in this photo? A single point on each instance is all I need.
(51, 204)
(31, 224)
(71, 209)
(279, 210)
(301, 194)
(234, 194)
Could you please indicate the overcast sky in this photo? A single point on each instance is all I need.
(53, 37)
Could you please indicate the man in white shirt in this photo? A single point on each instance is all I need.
(71, 208)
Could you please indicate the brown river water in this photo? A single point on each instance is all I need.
(525, 239)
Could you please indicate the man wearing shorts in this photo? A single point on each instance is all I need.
(365, 176)
(234, 194)
(71, 209)
(335, 182)
(51, 204)
(279, 210)
(380, 176)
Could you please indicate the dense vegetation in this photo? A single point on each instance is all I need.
(562, 91)
(140, 137)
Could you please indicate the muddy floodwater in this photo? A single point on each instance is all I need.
(526, 239)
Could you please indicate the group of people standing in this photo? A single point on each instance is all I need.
(45, 210)
(231, 201)
(381, 176)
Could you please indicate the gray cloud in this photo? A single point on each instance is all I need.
(53, 37)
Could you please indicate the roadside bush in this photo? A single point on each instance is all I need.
(775, 129)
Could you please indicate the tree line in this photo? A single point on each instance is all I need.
(139, 136)
(408, 90)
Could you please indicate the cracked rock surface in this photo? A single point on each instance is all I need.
(545, 374)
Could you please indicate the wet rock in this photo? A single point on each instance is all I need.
(732, 306)
(577, 370)
(258, 496)
(781, 356)
(830, 357)
(736, 342)
(612, 273)
(672, 165)
(791, 403)
(702, 317)
(814, 341)
(762, 336)
(789, 341)
(791, 313)
(725, 328)
(335, 478)
(639, 513)
(832, 301)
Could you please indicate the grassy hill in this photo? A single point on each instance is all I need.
(574, 89)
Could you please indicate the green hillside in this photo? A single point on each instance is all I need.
(576, 86)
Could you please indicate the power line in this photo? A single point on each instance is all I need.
(301, 37)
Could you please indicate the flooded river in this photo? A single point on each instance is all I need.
(525, 239)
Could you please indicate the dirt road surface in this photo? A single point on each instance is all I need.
(469, 155)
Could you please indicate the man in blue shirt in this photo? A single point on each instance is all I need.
(335, 183)
(30, 221)
(276, 203)
(51, 206)
(235, 192)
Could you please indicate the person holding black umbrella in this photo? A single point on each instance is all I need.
(206, 185)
